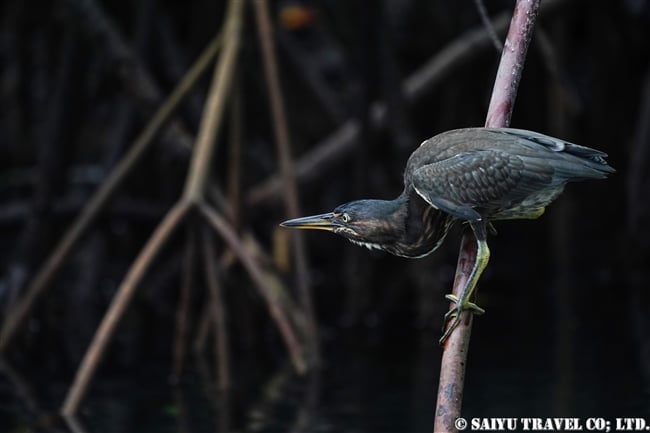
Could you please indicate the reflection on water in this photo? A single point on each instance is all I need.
(379, 378)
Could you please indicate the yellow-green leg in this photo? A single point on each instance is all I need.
(463, 301)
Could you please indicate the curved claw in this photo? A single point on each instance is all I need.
(454, 323)
(466, 306)
(462, 301)
(455, 315)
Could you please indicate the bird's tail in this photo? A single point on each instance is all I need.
(591, 163)
(572, 161)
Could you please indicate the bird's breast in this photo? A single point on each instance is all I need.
(529, 208)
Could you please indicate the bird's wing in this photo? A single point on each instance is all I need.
(470, 182)
(556, 144)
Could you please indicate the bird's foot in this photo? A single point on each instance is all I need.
(453, 316)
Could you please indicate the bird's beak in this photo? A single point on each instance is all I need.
(324, 221)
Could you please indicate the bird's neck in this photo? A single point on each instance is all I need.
(423, 227)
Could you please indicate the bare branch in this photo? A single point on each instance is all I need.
(119, 305)
(270, 291)
(286, 169)
(340, 143)
(454, 358)
(96, 204)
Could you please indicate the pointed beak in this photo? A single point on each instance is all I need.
(324, 221)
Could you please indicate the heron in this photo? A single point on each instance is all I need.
(473, 175)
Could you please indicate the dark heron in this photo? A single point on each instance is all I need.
(476, 175)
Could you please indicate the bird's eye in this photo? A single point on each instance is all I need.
(345, 217)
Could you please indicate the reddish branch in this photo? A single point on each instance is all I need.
(454, 358)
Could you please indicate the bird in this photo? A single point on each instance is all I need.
(473, 175)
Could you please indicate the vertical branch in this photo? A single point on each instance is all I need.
(215, 105)
(234, 156)
(286, 166)
(193, 192)
(454, 358)
(454, 355)
(511, 65)
(202, 329)
(184, 303)
(218, 312)
(265, 287)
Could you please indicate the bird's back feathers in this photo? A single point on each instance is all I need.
(490, 170)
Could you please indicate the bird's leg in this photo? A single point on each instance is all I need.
(463, 301)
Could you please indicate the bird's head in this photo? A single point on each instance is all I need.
(375, 224)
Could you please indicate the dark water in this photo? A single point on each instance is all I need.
(527, 359)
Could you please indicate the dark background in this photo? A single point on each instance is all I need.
(567, 328)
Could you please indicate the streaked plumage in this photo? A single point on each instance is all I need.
(476, 175)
